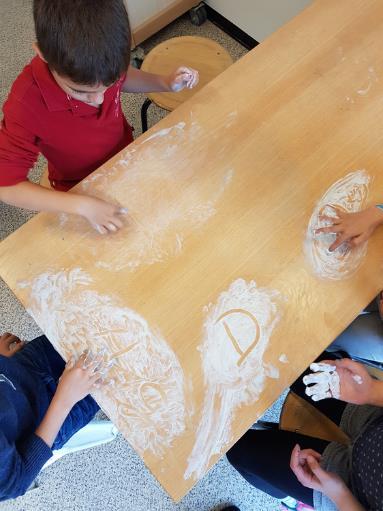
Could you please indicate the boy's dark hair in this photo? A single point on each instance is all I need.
(88, 41)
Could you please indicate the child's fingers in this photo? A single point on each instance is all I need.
(100, 228)
(316, 469)
(111, 227)
(333, 219)
(357, 240)
(81, 361)
(193, 80)
(318, 388)
(70, 363)
(183, 70)
(116, 222)
(294, 459)
(338, 242)
(96, 365)
(305, 453)
(338, 211)
(312, 378)
(9, 339)
(88, 358)
(103, 382)
(329, 229)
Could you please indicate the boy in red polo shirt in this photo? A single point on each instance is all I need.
(66, 105)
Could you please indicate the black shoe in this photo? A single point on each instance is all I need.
(231, 508)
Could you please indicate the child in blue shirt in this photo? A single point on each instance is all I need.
(43, 403)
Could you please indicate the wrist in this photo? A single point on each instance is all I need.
(166, 83)
(342, 495)
(377, 214)
(376, 398)
(79, 204)
(61, 403)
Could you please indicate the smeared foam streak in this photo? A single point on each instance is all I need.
(357, 378)
(231, 118)
(350, 195)
(372, 77)
(147, 402)
(237, 330)
(165, 204)
(165, 131)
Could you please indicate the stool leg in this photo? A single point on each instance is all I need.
(144, 114)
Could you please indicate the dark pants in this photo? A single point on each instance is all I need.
(262, 457)
(40, 357)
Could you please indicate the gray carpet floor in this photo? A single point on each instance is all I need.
(110, 477)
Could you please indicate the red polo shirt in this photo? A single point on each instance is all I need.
(76, 138)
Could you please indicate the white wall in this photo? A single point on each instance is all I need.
(140, 11)
(258, 18)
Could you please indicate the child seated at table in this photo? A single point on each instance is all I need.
(328, 475)
(66, 105)
(43, 403)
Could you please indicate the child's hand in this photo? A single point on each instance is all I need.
(104, 217)
(356, 385)
(79, 379)
(352, 228)
(305, 465)
(10, 344)
(183, 77)
(349, 381)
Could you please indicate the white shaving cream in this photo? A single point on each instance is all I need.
(147, 401)
(166, 202)
(371, 78)
(357, 378)
(350, 195)
(237, 331)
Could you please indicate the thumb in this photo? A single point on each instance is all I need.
(357, 240)
(70, 363)
(316, 469)
(351, 365)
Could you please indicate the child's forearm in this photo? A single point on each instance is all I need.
(347, 502)
(104, 217)
(140, 81)
(377, 393)
(52, 421)
(34, 197)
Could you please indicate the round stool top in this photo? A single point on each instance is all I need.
(200, 53)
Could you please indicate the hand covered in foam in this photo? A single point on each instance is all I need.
(351, 228)
(356, 385)
(342, 379)
(323, 382)
(182, 78)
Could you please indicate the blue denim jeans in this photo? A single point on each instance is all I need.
(40, 357)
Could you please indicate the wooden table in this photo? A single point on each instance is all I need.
(208, 300)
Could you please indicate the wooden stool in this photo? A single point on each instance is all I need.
(200, 53)
(301, 417)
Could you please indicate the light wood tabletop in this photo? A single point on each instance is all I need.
(216, 295)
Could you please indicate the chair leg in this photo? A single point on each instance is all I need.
(144, 114)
